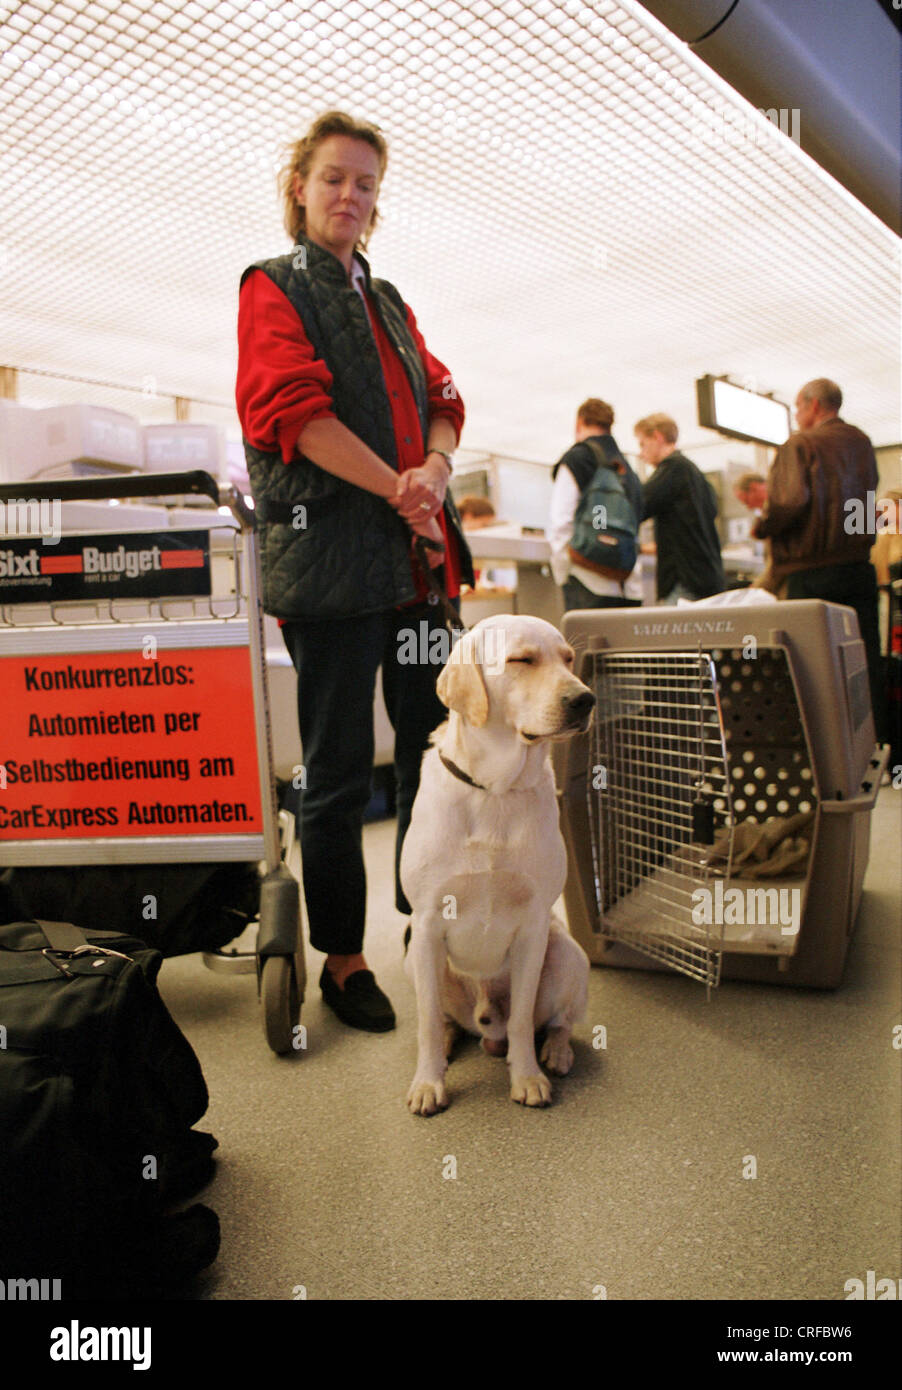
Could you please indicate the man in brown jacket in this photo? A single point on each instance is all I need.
(819, 543)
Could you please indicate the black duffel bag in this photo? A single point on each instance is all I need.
(99, 1090)
(176, 908)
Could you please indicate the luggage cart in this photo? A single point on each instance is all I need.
(713, 724)
(218, 625)
(894, 666)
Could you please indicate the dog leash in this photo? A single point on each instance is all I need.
(421, 544)
(437, 592)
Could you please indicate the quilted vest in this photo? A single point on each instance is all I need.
(330, 549)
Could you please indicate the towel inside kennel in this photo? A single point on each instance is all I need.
(717, 813)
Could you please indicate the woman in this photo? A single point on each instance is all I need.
(349, 424)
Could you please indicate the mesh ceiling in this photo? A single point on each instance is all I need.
(559, 208)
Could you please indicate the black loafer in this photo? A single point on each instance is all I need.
(361, 1004)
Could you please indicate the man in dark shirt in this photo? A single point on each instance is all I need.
(683, 505)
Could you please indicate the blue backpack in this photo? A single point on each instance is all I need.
(605, 525)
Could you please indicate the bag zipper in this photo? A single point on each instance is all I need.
(88, 950)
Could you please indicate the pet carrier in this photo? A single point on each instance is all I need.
(717, 813)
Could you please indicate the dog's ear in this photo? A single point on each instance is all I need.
(461, 686)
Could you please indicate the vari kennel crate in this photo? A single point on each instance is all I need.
(717, 813)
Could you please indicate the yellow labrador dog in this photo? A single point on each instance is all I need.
(484, 860)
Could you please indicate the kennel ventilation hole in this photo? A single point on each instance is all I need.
(764, 734)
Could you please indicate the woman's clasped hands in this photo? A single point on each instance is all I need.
(418, 498)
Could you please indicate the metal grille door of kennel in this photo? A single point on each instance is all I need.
(658, 765)
(684, 743)
(694, 755)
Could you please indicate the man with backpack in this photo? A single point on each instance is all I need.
(596, 508)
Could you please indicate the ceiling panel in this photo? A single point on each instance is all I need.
(573, 206)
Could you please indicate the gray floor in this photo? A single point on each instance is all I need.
(632, 1182)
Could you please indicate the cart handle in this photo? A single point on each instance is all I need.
(104, 489)
(870, 786)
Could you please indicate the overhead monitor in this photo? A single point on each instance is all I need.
(741, 414)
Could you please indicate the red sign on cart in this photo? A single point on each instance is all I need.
(128, 743)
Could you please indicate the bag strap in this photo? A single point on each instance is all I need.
(62, 936)
(608, 457)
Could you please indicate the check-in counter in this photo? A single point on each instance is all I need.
(740, 563)
(529, 558)
(536, 592)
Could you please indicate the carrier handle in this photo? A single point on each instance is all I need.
(871, 785)
(195, 482)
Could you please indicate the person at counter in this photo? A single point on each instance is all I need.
(349, 424)
(475, 513)
(683, 505)
(887, 550)
(751, 490)
(818, 521)
(571, 475)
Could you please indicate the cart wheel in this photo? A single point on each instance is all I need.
(281, 984)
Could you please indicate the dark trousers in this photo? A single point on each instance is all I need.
(856, 586)
(576, 595)
(336, 661)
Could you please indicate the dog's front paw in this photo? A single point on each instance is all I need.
(426, 1097)
(531, 1090)
(557, 1054)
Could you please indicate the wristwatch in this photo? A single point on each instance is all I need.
(447, 457)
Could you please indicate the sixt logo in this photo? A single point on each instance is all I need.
(12, 565)
(91, 560)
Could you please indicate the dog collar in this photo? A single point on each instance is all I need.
(459, 772)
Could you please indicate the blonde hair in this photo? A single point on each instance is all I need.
(298, 159)
(661, 423)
